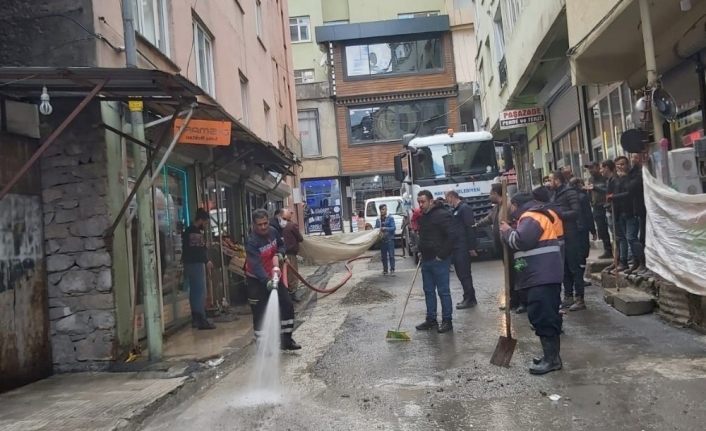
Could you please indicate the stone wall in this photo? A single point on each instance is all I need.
(81, 303)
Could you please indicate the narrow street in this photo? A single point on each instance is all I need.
(620, 373)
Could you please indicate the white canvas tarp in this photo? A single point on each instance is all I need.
(320, 250)
(676, 235)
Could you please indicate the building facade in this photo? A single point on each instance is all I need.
(344, 162)
(86, 266)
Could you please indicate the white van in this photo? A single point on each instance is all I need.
(394, 209)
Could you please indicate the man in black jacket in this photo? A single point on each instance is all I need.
(567, 201)
(597, 187)
(627, 225)
(464, 247)
(436, 246)
(587, 224)
(196, 263)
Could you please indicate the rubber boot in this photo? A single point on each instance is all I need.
(288, 343)
(551, 360)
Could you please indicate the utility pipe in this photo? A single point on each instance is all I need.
(651, 67)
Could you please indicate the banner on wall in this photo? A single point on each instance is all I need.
(315, 217)
(676, 235)
(514, 118)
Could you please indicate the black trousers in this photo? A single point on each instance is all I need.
(573, 275)
(258, 296)
(584, 237)
(462, 266)
(643, 228)
(599, 216)
(543, 304)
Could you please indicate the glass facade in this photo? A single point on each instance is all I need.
(390, 122)
(322, 196)
(389, 58)
(611, 108)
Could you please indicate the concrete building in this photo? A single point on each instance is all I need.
(330, 184)
(523, 71)
(71, 287)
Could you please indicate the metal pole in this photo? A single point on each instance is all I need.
(219, 220)
(145, 208)
(651, 67)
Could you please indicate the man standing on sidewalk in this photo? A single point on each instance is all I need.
(598, 187)
(464, 247)
(195, 258)
(386, 224)
(627, 225)
(436, 247)
(292, 237)
(567, 201)
(264, 256)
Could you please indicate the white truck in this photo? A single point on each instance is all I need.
(466, 162)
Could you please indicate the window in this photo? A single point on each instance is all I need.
(203, 53)
(245, 99)
(151, 22)
(299, 29)
(411, 56)
(336, 22)
(500, 47)
(303, 76)
(443, 160)
(309, 132)
(417, 14)
(268, 121)
(258, 18)
(390, 122)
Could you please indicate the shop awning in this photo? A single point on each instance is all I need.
(613, 50)
(160, 91)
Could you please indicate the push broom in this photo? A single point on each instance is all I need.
(397, 335)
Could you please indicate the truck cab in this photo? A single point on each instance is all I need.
(467, 162)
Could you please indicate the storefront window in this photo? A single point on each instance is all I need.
(373, 186)
(322, 197)
(616, 114)
(172, 211)
(606, 128)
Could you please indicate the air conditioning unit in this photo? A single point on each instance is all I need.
(475, 87)
(683, 171)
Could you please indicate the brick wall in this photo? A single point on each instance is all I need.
(81, 304)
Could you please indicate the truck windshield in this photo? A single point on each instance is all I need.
(447, 160)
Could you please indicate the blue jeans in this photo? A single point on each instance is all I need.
(196, 274)
(627, 231)
(435, 277)
(387, 249)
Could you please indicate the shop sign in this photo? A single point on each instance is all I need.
(315, 217)
(204, 132)
(514, 118)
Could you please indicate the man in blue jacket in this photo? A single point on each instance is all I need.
(539, 270)
(464, 247)
(386, 224)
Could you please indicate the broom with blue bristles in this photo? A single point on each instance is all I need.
(397, 335)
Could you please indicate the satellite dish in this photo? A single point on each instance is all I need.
(634, 140)
(664, 104)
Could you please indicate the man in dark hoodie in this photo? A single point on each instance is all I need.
(196, 263)
(567, 203)
(464, 247)
(264, 257)
(436, 246)
(537, 262)
(588, 226)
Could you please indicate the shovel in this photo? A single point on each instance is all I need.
(397, 335)
(506, 344)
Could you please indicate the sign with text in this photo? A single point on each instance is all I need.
(204, 132)
(514, 118)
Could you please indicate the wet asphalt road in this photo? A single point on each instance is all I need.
(620, 373)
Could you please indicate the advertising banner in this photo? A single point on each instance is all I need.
(514, 118)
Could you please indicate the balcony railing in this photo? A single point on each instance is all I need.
(502, 71)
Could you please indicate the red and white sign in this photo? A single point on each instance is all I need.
(514, 118)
